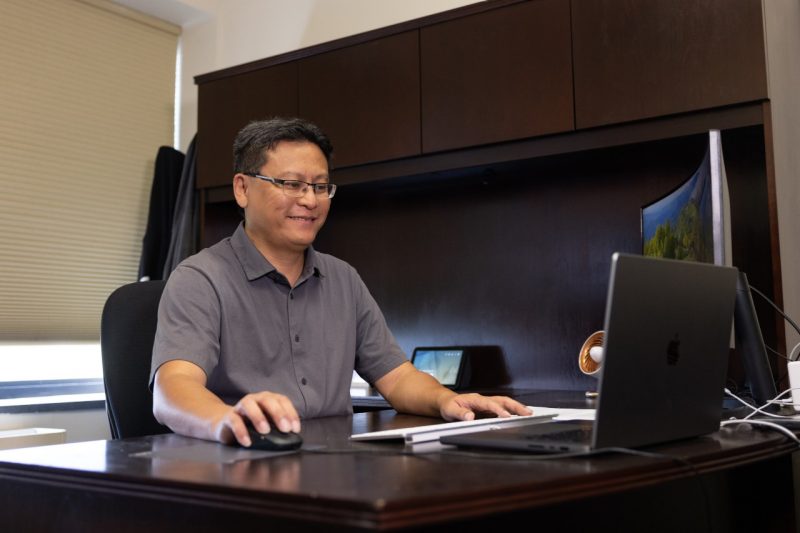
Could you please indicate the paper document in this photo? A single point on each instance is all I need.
(564, 414)
(432, 432)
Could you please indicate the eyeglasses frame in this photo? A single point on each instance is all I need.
(278, 182)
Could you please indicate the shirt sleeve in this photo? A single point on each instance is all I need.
(188, 322)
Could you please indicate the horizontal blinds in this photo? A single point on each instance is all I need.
(86, 99)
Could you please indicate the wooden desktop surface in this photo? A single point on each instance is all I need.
(169, 482)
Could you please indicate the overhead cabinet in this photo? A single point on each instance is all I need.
(366, 98)
(641, 59)
(497, 76)
(226, 105)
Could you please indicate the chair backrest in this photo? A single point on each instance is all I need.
(127, 330)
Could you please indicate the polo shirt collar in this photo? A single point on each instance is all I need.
(256, 265)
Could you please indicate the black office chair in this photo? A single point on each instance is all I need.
(127, 330)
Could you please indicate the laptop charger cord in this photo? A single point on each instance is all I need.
(762, 410)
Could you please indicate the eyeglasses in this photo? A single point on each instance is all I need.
(297, 189)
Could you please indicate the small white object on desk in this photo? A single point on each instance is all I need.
(564, 414)
(28, 437)
(794, 383)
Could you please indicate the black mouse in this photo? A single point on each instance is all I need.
(274, 441)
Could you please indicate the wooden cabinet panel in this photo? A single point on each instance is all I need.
(226, 105)
(636, 59)
(366, 98)
(496, 76)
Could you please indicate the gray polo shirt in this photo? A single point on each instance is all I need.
(227, 310)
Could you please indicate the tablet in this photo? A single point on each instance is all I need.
(446, 364)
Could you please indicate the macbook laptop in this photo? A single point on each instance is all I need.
(667, 337)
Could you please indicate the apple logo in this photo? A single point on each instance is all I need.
(673, 351)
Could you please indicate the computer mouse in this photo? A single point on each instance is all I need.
(274, 441)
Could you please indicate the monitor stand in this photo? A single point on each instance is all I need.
(750, 345)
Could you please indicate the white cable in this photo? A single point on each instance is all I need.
(748, 420)
(743, 402)
(770, 402)
(761, 410)
(772, 425)
(791, 354)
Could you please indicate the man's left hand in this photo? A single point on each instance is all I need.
(467, 406)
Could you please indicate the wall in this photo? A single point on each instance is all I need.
(782, 20)
(239, 31)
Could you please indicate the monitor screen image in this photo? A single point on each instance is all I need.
(442, 364)
(691, 221)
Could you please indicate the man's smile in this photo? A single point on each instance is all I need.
(303, 218)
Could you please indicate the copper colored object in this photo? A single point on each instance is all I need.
(588, 365)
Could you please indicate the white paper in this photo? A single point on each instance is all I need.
(564, 414)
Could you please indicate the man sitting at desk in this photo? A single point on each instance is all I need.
(263, 327)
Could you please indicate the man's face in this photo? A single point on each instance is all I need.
(274, 219)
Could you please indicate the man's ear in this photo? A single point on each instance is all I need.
(241, 187)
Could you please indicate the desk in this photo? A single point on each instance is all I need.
(131, 485)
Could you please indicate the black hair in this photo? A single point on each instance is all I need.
(254, 141)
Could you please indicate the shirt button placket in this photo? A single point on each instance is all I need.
(292, 324)
(294, 327)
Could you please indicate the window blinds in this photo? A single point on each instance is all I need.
(86, 99)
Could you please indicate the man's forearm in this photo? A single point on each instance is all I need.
(412, 391)
(188, 408)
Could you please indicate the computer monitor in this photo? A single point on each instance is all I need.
(692, 222)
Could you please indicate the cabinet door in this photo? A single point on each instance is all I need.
(366, 98)
(636, 59)
(496, 76)
(226, 105)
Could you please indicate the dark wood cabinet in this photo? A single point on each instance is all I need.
(638, 59)
(366, 98)
(483, 189)
(226, 105)
(497, 76)
(492, 73)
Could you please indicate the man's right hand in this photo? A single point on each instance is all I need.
(182, 402)
(265, 410)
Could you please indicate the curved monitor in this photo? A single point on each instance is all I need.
(692, 222)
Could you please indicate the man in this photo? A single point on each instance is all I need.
(262, 327)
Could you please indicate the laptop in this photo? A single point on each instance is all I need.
(665, 359)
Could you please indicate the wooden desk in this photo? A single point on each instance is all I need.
(740, 481)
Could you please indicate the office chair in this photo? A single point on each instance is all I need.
(127, 330)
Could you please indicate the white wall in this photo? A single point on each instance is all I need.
(782, 21)
(233, 32)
